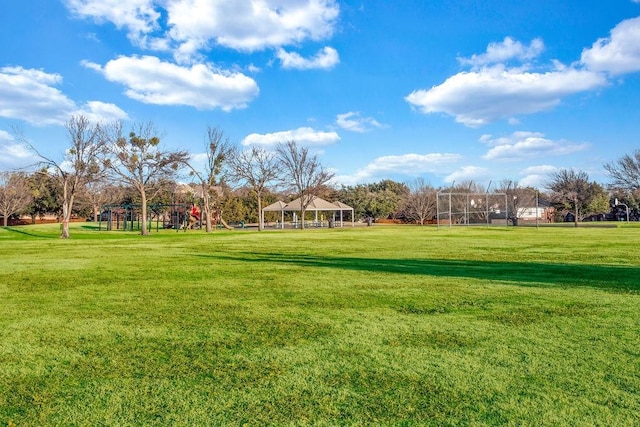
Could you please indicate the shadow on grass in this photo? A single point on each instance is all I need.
(26, 233)
(91, 227)
(611, 278)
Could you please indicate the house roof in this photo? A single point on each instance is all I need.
(196, 190)
(182, 188)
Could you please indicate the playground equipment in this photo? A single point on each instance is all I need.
(225, 225)
(185, 212)
(127, 216)
(176, 216)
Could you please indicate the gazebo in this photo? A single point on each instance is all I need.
(316, 205)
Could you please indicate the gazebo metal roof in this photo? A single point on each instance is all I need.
(317, 204)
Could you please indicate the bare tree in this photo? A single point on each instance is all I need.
(257, 168)
(140, 162)
(469, 202)
(519, 199)
(420, 203)
(573, 190)
(218, 149)
(15, 194)
(79, 165)
(625, 172)
(307, 174)
(99, 193)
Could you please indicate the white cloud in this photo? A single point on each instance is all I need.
(410, 165)
(354, 122)
(539, 170)
(30, 95)
(492, 93)
(527, 145)
(97, 111)
(189, 26)
(493, 90)
(138, 17)
(256, 24)
(303, 136)
(5, 136)
(152, 81)
(505, 51)
(468, 173)
(617, 54)
(536, 176)
(12, 154)
(326, 58)
(533, 180)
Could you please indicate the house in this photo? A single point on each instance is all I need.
(543, 212)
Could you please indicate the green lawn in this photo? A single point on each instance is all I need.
(382, 325)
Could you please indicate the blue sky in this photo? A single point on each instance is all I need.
(447, 90)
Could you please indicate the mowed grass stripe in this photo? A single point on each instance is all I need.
(376, 325)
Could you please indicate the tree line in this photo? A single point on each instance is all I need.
(108, 164)
(104, 163)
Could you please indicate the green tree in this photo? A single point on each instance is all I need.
(357, 197)
(238, 205)
(45, 195)
(376, 200)
(382, 204)
(599, 203)
(387, 185)
(387, 198)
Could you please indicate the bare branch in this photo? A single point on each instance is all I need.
(139, 161)
(625, 172)
(14, 194)
(258, 168)
(306, 174)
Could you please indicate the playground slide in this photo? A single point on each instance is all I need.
(225, 225)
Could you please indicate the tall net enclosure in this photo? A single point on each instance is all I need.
(473, 209)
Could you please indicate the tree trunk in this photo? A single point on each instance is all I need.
(575, 204)
(65, 229)
(143, 220)
(260, 223)
(5, 220)
(207, 208)
(302, 212)
(66, 212)
(65, 221)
